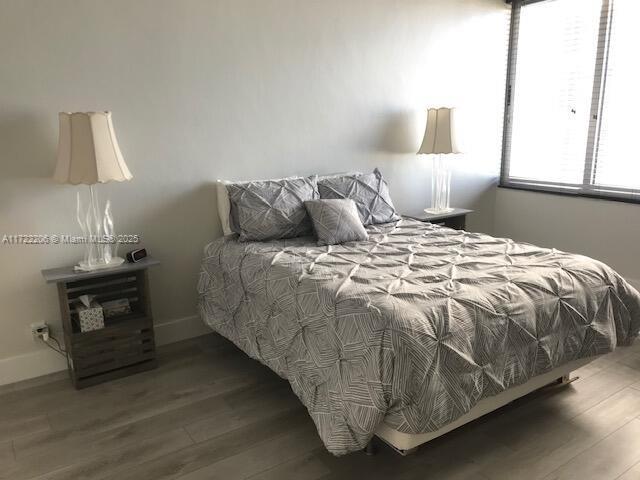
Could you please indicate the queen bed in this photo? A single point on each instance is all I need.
(416, 330)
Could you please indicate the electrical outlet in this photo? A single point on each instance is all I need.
(40, 330)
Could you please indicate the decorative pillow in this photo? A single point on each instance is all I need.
(369, 191)
(335, 221)
(339, 174)
(224, 206)
(271, 209)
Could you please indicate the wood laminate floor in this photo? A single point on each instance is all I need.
(209, 412)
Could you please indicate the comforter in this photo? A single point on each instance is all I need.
(412, 327)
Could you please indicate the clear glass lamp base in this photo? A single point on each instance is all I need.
(440, 186)
(90, 267)
(96, 226)
(438, 211)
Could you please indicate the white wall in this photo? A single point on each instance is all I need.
(606, 230)
(206, 89)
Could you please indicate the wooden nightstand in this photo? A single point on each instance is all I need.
(456, 219)
(126, 344)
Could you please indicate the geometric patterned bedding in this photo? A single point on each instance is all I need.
(413, 326)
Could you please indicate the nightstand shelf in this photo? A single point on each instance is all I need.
(457, 219)
(126, 344)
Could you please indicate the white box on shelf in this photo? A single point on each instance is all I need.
(91, 318)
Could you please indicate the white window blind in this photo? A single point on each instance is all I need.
(617, 164)
(571, 97)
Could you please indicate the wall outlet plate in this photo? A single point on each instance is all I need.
(40, 330)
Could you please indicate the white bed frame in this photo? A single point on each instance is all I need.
(406, 443)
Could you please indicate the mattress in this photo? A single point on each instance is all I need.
(412, 327)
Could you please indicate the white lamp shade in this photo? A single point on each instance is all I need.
(88, 151)
(439, 133)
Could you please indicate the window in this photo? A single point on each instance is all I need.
(572, 94)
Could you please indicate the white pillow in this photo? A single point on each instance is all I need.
(224, 206)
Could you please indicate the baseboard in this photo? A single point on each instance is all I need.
(46, 361)
(180, 329)
(30, 365)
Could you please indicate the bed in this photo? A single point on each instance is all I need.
(416, 330)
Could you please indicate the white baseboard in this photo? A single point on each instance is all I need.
(30, 365)
(180, 329)
(46, 361)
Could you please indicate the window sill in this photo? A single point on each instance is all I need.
(566, 193)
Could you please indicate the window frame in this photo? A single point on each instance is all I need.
(588, 188)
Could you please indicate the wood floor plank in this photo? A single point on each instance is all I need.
(470, 444)
(592, 368)
(51, 443)
(593, 425)
(59, 396)
(606, 460)
(306, 467)
(384, 465)
(541, 447)
(122, 458)
(460, 454)
(6, 455)
(454, 470)
(33, 382)
(295, 442)
(200, 455)
(630, 356)
(247, 423)
(59, 449)
(192, 373)
(448, 456)
(584, 394)
(632, 474)
(175, 360)
(144, 401)
(262, 403)
(546, 410)
(212, 408)
(15, 428)
(23, 403)
(632, 360)
(56, 449)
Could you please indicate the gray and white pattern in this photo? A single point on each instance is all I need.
(335, 221)
(271, 209)
(412, 327)
(369, 191)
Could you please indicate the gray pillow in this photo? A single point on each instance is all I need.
(339, 174)
(272, 209)
(369, 191)
(335, 221)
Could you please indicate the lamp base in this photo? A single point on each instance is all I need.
(96, 228)
(438, 211)
(440, 186)
(86, 267)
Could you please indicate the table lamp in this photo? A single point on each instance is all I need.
(439, 140)
(88, 153)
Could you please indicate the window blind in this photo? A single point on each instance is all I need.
(570, 82)
(616, 164)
